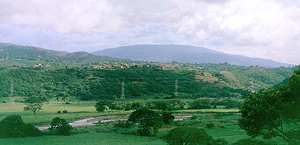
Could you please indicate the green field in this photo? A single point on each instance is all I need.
(224, 120)
(76, 109)
(84, 139)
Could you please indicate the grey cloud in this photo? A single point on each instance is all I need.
(242, 26)
(68, 17)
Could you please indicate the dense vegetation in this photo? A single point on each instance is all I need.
(14, 126)
(140, 80)
(274, 112)
(106, 84)
(210, 93)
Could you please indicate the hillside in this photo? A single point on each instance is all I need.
(37, 71)
(183, 54)
(27, 56)
(105, 84)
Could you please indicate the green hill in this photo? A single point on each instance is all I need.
(27, 56)
(40, 72)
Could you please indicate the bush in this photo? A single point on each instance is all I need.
(65, 111)
(122, 124)
(127, 107)
(187, 135)
(147, 119)
(61, 126)
(14, 126)
(210, 125)
(30, 130)
(194, 117)
(200, 104)
(3, 102)
(144, 132)
(167, 117)
(137, 105)
(58, 112)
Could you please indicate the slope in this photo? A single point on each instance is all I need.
(183, 54)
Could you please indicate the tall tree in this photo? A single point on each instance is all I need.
(274, 112)
(34, 104)
(148, 119)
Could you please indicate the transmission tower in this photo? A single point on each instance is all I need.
(123, 92)
(11, 102)
(252, 86)
(176, 87)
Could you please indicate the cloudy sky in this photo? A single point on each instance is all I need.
(256, 28)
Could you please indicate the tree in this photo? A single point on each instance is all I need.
(60, 126)
(188, 135)
(14, 126)
(167, 117)
(274, 112)
(200, 104)
(148, 120)
(34, 104)
(102, 105)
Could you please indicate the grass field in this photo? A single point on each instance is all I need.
(224, 120)
(76, 109)
(92, 138)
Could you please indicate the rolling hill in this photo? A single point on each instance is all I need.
(86, 75)
(27, 56)
(183, 54)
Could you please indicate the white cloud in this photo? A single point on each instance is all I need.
(255, 28)
(268, 28)
(64, 16)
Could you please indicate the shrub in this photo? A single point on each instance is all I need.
(187, 135)
(167, 117)
(14, 126)
(144, 132)
(122, 124)
(58, 112)
(61, 126)
(210, 125)
(30, 130)
(194, 117)
(200, 104)
(137, 105)
(65, 111)
(147, 119)
(127, 106)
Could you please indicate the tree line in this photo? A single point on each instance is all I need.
(90, 84)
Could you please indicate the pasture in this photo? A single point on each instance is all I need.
(224, 122)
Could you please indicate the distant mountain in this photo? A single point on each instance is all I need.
(21, 56)
(184, 54)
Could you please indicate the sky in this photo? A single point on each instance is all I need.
(256, 28)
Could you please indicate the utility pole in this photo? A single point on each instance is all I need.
(123, 92)
(176, 87)
(11, 102)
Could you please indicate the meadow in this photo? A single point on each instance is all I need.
(224, 122)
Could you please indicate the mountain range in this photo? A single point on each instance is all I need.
(183, 54)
